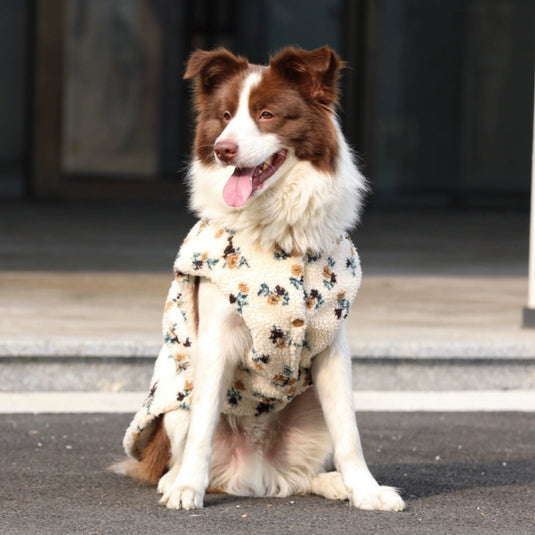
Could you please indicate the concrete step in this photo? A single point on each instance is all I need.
(133, 373)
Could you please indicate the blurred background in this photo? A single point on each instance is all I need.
(95, 139)
(438, 96)
(96, 130)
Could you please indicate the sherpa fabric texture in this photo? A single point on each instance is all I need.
(292, 304)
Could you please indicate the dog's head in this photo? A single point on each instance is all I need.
(260, 121)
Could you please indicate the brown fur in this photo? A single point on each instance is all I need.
(211, 121)
(211, 490)
(154, 458)
(300, 89)
(196, 305)
(217, 76)
(301, 124)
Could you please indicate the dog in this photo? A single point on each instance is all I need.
(251, 393)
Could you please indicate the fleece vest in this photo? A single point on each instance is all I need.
(292, 304)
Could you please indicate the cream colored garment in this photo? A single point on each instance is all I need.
(292, 304)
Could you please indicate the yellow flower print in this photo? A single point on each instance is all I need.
(273, 299)
(232, 261)
(258, 366)
(243, 288)
(179, 357)
(297, 270)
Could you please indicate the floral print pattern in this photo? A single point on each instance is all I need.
(276, 296)
(292, 304)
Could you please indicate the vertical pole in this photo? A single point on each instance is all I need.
(529, 311)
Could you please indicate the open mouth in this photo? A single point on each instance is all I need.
(244, 181)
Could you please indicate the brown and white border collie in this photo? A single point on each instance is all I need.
(271, 163)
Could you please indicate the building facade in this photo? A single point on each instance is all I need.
(437, 98)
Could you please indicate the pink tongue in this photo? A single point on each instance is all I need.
(239, 187)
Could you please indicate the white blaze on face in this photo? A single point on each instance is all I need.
(254, 147)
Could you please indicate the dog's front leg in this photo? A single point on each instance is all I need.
(331, 373)
(216, 356)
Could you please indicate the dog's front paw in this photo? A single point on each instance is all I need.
(380, 498)
(183, 497)
(365, 493)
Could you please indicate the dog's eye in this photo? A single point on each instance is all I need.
(266, 115)
(227, 116)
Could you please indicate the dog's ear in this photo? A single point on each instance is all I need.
(210, 68)
(315, 72)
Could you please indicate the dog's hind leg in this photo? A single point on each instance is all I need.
(329, 485)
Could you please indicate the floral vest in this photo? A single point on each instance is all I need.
(292, 304)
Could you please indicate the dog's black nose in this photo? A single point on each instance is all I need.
(225, 150)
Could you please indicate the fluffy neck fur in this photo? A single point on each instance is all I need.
(302, 210)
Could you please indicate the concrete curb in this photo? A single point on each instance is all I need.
(55, 347)
(395, 401)
(74, 347)
(121, 372)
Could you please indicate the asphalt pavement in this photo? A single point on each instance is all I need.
(437, 326)
(460, 473)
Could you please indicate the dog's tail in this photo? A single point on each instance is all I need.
(154, 459)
